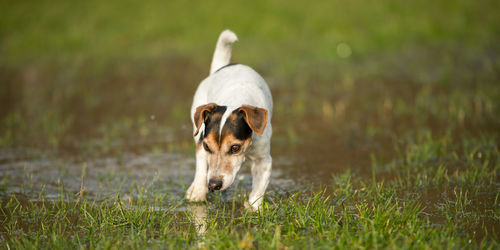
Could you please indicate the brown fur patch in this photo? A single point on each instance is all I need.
(229, 140)
(255, 117)
(212, 141)
(201, 113)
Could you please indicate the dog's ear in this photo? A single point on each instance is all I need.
(256, 118)
(201, 113)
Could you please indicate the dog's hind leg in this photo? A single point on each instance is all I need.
(199, 188)
(261, 171)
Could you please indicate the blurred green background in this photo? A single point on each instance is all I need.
(98, 76)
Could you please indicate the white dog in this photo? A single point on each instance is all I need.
(231, 114)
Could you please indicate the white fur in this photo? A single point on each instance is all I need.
(222, 53)
(234, 86)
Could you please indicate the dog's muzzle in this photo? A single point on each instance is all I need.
(214, 184)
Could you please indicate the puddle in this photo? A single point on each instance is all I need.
(130, 128)
(105, 177)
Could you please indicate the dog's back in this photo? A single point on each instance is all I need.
(232, 85)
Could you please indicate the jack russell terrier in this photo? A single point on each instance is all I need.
(231, 115)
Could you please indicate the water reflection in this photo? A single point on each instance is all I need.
(198, 216)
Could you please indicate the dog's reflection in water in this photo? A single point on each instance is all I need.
(198, 216)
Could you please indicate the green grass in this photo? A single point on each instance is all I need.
(431, 201)
(72, 33)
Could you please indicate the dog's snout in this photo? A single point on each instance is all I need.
(214, 184)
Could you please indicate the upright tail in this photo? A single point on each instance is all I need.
(222, 54)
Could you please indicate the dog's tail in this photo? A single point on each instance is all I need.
(222, 54)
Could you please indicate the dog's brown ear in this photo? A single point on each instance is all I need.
(256, 118)
(200, 115)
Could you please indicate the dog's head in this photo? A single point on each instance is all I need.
(226, 138)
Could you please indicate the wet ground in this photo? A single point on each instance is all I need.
(109, 176)
(129, 129)
(137, 134)
(308, 148)
(130, 120)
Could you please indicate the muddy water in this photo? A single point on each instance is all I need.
(299, 165)
(130, 128)
(109, 176)
(309, 159)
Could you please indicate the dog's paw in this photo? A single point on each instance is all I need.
(196, 194)
(253, 207)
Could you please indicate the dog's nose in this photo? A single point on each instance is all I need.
(214, 184)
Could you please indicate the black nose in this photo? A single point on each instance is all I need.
(214, 184)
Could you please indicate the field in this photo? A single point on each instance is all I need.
(386, 124)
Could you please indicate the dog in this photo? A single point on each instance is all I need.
(231, 115)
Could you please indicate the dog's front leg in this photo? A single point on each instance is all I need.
(199, 189)
(261, 171)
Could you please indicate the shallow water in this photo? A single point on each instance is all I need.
(308, 162)
(129, 130)
(128, 136)
(111, 176)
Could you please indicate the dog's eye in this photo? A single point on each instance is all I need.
(205, 146)
(235, 148)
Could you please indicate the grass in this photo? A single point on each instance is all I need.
(392, 106)
(428, 203)
(96, 31)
